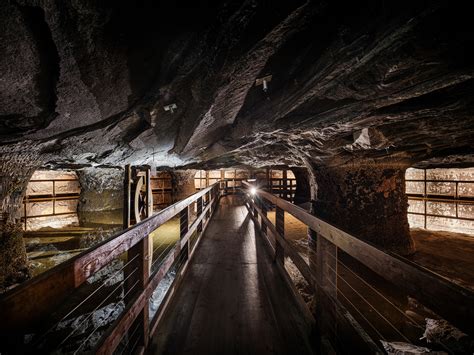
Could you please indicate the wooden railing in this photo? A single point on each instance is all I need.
(339, 262)
(44, 305)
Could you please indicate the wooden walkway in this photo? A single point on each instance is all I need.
(232, 299)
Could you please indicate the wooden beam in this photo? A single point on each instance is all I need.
(280, 229)
(127, 196)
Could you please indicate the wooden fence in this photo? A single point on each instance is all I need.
(37, 307)
(45, 305)
(341, 258)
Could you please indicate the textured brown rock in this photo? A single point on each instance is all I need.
(303, 189)
(183, 183)
(13, 260)
(368, 201)
(17, 164)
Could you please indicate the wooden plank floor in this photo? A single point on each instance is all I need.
(232, 299)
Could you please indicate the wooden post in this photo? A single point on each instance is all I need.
(183, 228)
(216, 196)
(208, 199)
(326, 279)
(285, 184)
(149, 212)
(127, 196)
(425, 196)
(199, 212)
(280, 227)
(263, 208)
(139, 270)
(149, 193)
(267, 175)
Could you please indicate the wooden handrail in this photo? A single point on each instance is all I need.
(449, 300)
(25, 306)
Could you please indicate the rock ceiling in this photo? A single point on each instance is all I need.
(85, 83)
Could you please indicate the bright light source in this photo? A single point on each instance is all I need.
(253, 190)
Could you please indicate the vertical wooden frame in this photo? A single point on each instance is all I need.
(280, 227)
(263, 208)
(267, 176)
(127, 196)
(285, 184)
(208, 200)
(326, 279)
(140, 254)
(199, 212)
(183, 228)
(149, 194)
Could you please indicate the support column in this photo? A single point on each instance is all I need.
(183, 183)
(303, 190)
(183, 230)
(280, 228)
(326, 278)
(285, 185)
(368, 201)
(17, 165)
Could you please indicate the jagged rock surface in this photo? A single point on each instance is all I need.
(101, 199)
(86, 83)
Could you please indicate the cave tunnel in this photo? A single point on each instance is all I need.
(228, 177)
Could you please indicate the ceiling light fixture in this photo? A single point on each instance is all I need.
(170, 108)
(264, 82)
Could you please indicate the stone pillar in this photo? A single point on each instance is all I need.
(368, 201)
(303, 189)
(17, 165)
(101, 199)
(183, 183)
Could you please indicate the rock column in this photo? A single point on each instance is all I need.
(16, 168)
(368, 201)
(183, 183)
(303, 190)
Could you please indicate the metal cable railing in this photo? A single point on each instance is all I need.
(110, 310)
(354, 282)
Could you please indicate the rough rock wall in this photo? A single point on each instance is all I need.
(371, 78)
(368, 201)
(183, 183)
(17, 165)
(303, 189)
(101, 199)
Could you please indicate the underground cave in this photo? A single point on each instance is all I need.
(236, 177)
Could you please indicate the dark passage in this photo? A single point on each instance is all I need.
(232, 299)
